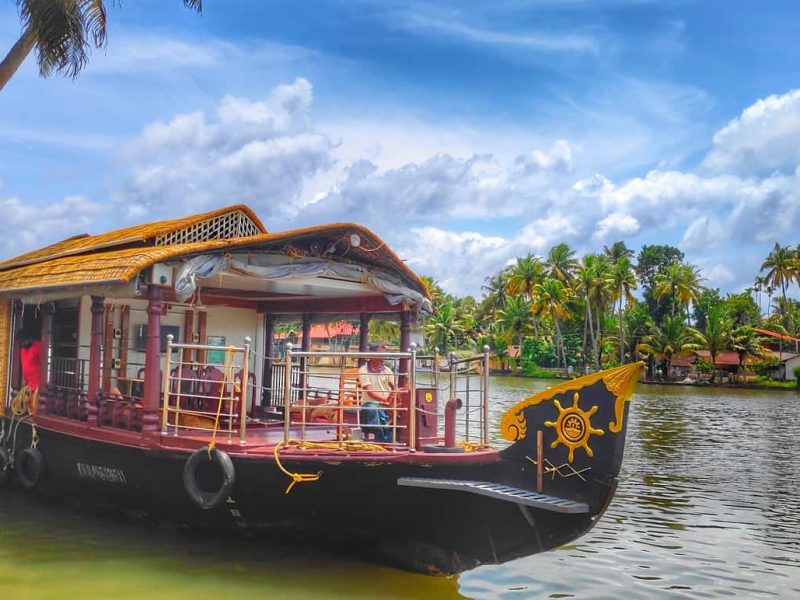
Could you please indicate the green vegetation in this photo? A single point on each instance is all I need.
(559, 311)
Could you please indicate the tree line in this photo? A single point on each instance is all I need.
(561, 310)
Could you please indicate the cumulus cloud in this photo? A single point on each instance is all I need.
(459, 261)
(260, 152)
(33, 226)
(267, 152)
(763, 139)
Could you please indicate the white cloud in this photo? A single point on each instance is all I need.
(537, 41)
(260, 152)
(763, 139)
(31, 226)
(431, 203)
(459, 261)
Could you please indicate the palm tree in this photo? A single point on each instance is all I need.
(758, 286)
(561, 263)
(781, 267)
(585, 283)
(63, 33)
(551, 298)
(618, 251)
(671, 338)
(524, 275)
(495, 294)
(681, 282)
(717, 335)
(384, 331)
(602, 296)
(442, 327)
(435, 291)
(515, 319)
(623, 281)
(745, 342)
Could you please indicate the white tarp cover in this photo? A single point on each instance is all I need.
(275, 267)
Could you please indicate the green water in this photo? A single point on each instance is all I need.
(708, 506)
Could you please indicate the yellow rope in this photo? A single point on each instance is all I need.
(227, 374)
(24, 401)
(469, 447)
(308, 477)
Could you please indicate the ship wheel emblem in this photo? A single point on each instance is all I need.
(574, 427)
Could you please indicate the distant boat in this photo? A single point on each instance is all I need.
(162, 393)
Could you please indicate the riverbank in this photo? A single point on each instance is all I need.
(705, 384)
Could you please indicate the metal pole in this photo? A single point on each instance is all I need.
(539, 460)
(287, 392)
(243, 395)
(412, 398)
(165, 393)
(450, 358)
(485, 399)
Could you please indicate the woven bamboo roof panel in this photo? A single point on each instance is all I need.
(225, 223)
(114, 266)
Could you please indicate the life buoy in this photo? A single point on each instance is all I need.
(6, 467)
(208, 499)
(30, 467)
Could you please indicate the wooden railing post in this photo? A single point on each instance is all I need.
(95, 342)
(152, 361)
(266, 368)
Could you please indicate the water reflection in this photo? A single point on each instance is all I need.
(708, 506)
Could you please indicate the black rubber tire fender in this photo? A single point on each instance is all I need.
(202, 498)
(6, 467)
(30, 467)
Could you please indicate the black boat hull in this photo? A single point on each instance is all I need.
(355, 507)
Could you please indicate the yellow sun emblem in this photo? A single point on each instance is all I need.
(574, 427)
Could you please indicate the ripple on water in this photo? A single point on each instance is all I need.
(708, 505)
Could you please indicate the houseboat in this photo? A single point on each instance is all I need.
(141, 372)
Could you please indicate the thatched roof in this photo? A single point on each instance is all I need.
(119, 256)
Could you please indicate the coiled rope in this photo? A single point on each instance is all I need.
(308, 477)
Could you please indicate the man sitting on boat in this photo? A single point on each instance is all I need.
(377, 381)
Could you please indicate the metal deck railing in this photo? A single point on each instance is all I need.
(314, 403)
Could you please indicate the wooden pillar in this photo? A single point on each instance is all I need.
(202, 326)
(305, 346)
(123, 341)
(152, 361)
(108, 346)
(266, 368)
(188, 334)
(16, 365)
(48, 310)
(363, 335)
(95, 341)
(405, 344)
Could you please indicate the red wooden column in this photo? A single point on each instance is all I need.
(405, 344)
(188, 336)
(152, 361)
(48, 310)
(266, 368)
(363, 335)
(16, 367)
(305, 346)
(95, 341)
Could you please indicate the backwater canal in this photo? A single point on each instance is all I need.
(708, 506)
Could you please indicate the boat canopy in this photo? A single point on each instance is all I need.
(227, 252)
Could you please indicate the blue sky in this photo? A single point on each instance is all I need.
(464, 133)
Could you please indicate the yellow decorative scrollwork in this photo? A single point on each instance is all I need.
(620, 381)
(574, 427)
